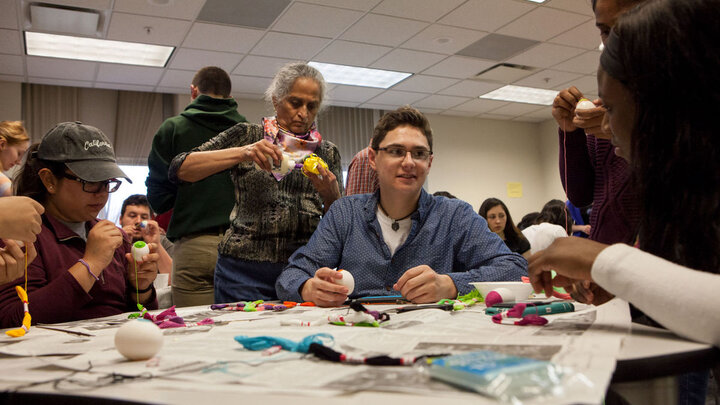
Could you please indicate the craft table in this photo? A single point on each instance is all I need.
(205, 364)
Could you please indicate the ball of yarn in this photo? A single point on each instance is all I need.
(499, 295)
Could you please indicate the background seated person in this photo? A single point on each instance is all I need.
(399, 239)
(83, 267)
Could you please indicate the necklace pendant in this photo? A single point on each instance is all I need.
(395, 226)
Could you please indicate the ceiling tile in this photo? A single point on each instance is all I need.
(111, 73)
(59, 82)
(479, 105)
(11, 64)
(545, 55)
(470, 88)
(547, 79)
(11, 42)
(499, 117)
(378, 106)
(214, 37)
(383, 30)
(250, 84)
(177, 78)
(60, 68)
(338, 103)
(580, 7)
(364, 5)
(443, 39)
(436, 101)
(289, 46)
(544, 113)
(459, 113)
(133, 28)
(424, 84)
(486, 15)
(8, 18)
(586, 85)
(122, 86)
(428, 10)
(260, 66)
(504, 73)
(180, 9)
(459, 67)
(543, 23)
(428, 110)
(497, 47)
(353, 93)
(586, 63)
(516, 109)
(405, 60)
(247, 13)
(92, 4)
(584, 36)
(194, 59)
(310, 19)
(351, 53)
(397, 98)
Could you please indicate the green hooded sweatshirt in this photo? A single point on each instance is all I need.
(205, 205)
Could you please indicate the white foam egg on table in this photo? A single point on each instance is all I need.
(347, 280)
(138, 339)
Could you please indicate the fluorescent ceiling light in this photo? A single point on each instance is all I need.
(521, 94)
(357, 76)
(537, 1)
(96, 50)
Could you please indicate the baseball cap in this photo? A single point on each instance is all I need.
(84, 149)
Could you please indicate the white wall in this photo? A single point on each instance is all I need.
(476, 158)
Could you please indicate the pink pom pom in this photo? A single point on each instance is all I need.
(493, 298)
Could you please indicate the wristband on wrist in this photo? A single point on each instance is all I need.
(87, 266)
(146, 289)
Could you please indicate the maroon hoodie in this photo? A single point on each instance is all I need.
(54, 294)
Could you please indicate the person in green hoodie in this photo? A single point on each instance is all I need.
(200, 210)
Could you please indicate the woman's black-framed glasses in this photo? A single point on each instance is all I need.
(400, 152)
(110, 186)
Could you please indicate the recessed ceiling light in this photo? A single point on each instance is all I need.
(357, 76)
(96, 50)
(521, 94)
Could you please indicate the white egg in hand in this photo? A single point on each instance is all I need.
(584, 104)
(140, 249)
(347, 280)
(138, 339)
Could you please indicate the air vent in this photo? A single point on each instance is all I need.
(66, 20)
(504, 73)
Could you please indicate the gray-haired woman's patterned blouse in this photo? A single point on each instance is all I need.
(271, 219)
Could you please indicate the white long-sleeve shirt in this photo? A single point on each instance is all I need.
(683, 300)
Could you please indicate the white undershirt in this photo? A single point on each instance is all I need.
(78, 228)
(392, 238)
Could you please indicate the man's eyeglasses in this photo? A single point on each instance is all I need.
(110, 186)
(400, 152)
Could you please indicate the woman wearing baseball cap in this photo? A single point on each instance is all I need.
(83, 267)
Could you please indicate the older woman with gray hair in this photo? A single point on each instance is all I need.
(276, 210)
